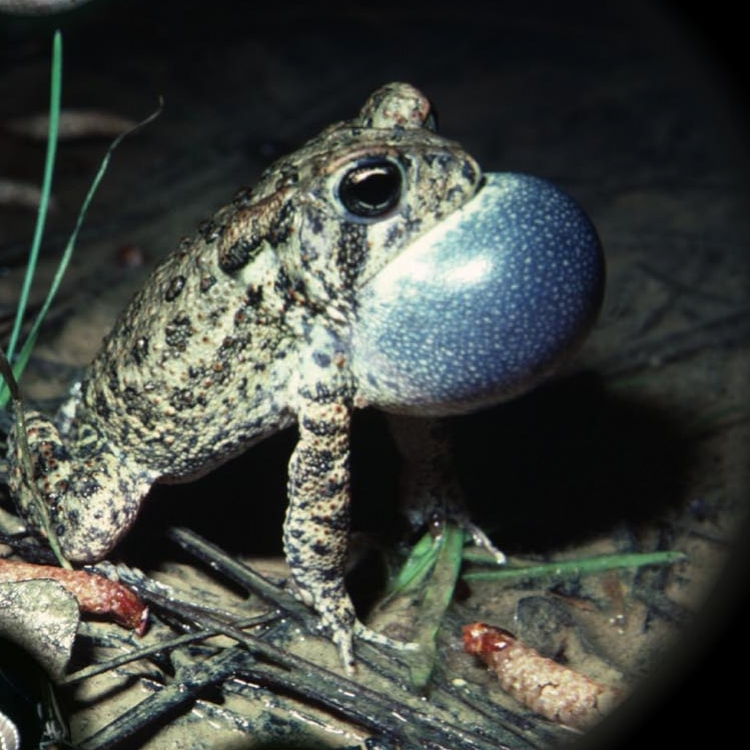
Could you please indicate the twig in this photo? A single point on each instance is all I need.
(160, 648)
(236, 571)
(188, 683)
(725, 331)
(408, 719)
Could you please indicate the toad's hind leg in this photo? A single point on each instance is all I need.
(90, 497)
(430, 488)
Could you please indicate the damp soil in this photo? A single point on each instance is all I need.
(640, 445)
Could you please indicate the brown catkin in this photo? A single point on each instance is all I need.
(541, 684)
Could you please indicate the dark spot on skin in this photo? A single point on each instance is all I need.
(289, 290)
(101, 407)
(338, 522)
(178, 332)
(321, 359)
(242, 197)
(332, 579)
(333, 489)
(126, 329)
(437, 161)
(254, 295)
(176, 285)
(469, 172)
(207, 282)
(129, 394)
(281, 229)
(140, 350)
(88, 487)
(209, 230)
(322, 458)
(319, 548)
(182, 398)
(123, 487)
(239, 254)
(319, 427)
(394, 235)
(351, 252)
(411, 223)
(322, 394)
(314, 220)
(288, 175)
(454, 194)
(215, 316)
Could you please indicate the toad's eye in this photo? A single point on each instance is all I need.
(371, 189)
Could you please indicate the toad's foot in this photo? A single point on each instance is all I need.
(481, 540)
(378, 639)
(343, 639)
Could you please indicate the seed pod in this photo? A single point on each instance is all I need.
(546, 687)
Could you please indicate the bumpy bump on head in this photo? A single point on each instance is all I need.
(483, 306)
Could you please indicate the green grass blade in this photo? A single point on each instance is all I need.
(416, 567)
(49, 166)
(568, 569)
(438, 588)
(25, 352)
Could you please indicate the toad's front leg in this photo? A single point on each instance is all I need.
(316, 529)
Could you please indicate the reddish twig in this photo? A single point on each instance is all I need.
(94, 593)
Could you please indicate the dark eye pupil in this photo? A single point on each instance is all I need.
(371, 190)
